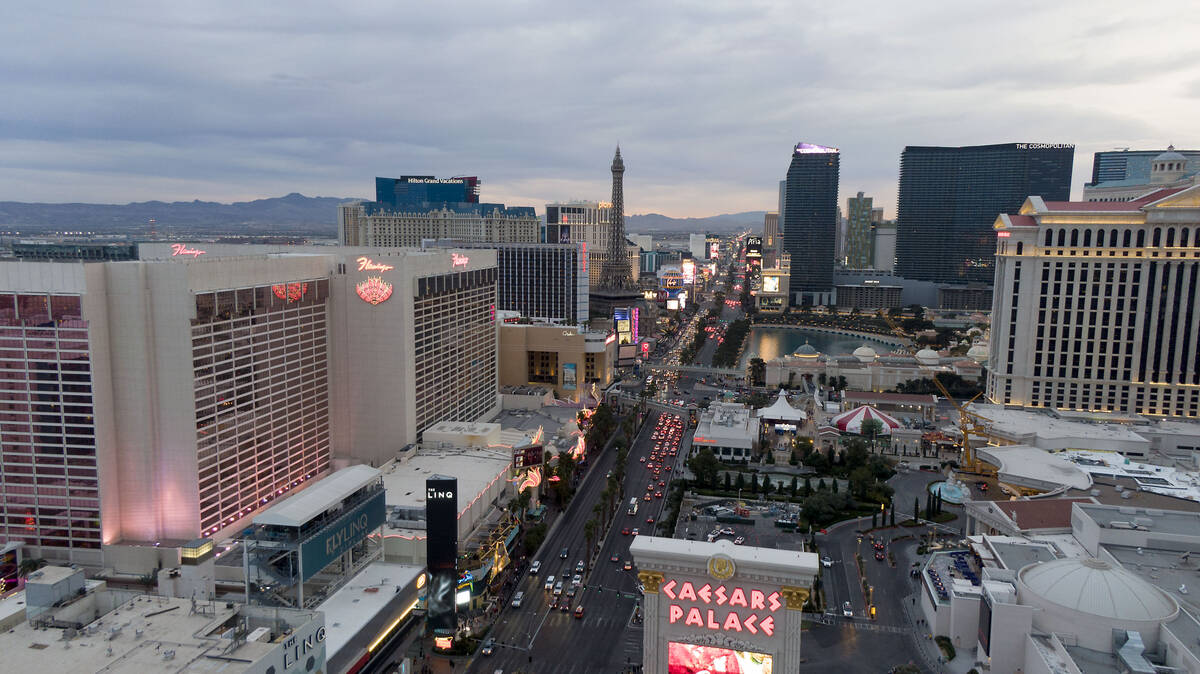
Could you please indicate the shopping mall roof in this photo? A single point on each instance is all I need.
(1042, 513)
(1018, 555)
(298, 509)
(352, 607)
(1165, 480)
(475, 468)
(1171, 523)
(1032, 467)
(1041, 429)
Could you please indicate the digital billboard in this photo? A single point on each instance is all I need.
(770, 284)
(347, 531)
(564, 233)
(568, 377)
(9, 571)
(692, 659)
(714, 250)
(441, 547)
(528, 457)
(689, 270)
(626, 354)
(672, 305)
(754, 246)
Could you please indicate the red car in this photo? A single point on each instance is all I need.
(625, 531)
(649, 520)
(658, 494)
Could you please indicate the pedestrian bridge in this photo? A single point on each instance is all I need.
(702, 369)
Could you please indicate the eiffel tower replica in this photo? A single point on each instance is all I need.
(617, 289)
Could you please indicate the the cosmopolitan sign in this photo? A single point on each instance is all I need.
(343, 534)
(721, 608)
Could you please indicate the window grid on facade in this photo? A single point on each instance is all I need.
(48, 473)
(261, 394)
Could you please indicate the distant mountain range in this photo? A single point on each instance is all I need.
(294, 213)
(728, 222)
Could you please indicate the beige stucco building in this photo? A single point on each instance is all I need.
(568, 359)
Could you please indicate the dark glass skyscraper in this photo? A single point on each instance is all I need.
(951, 196)
(809, 221)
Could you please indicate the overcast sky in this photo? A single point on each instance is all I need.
(128, 101)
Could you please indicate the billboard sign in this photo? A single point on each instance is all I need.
(770, 284)
(441, 547)
(754, 245)
(692, 659)
(564, 232)
(347, 531)
(569, 377)
(689, 270)
(714, 250)
(528, 457)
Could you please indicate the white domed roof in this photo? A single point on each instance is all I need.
(865, 354)
(928, 356)
(1097, 588)
(1169, 156)
(978, 353)
(806, 350)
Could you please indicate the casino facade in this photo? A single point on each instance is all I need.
(721, 607)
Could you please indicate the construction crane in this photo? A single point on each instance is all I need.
(970, 423)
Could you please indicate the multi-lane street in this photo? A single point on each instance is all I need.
(540, 636)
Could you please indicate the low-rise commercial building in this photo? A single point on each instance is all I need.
(573, 361)
(730, 430)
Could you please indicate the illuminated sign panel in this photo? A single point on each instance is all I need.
(689, 271)
(457, 260)
(343, 534)
(179, 249)
(441, 549)
(568, 377)
(770, 284)
(692, 659)
(374, 290)
(756, 616)
(367, 264)
(527, 457)
(714, 250)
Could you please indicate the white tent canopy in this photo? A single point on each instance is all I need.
(780, 410)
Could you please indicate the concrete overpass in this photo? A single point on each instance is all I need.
(700, 369)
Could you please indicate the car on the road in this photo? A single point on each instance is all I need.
(579, 566)
(727, 531)
(489, 647)
(633, 532)
(658, 494)
(642, 459)
(625, 531)
(649, 520)
(535, 567)
(549, 582)
(562, 554)
(571, 591)
(558, 588)
(579, 611)
(880, 556)
(739, 540)
(662, 483)
(827, 562)
(565, 606)
(577, 580)
(847, 610)
(615, 558)
(517, 599)
(646, 497)
(628, 566)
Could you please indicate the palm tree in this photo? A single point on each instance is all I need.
(28, 566)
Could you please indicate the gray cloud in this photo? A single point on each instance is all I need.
(135, 100)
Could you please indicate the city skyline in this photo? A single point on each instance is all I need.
(229, 104)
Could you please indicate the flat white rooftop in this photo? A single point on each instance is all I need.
(475, 468)
(298, 509)
(349, 609)
(1155, 479)
(167, 625)
(1042, 425)
(1030, 466)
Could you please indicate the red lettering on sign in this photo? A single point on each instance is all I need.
(732, 622)
(738, 598)
(712, 622)
(676, 612)
(721, 596)
(774, 600)
(694, 618)
(749, 623)
(667, 589)
(767, 626)
(687, 592)
(756, 599)
(705, 593)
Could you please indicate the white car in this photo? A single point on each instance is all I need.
(827, 562)
(577, 580)
(517, 599)
(558, 588)
(535, 567)
(549, 583)
(847, 610)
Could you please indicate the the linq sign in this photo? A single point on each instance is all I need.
(344, 533)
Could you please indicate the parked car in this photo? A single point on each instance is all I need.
(739, 540)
